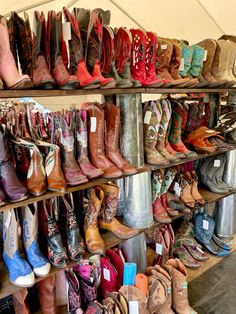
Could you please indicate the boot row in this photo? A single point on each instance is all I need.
(100, 56)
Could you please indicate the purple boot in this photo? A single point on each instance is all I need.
(13, 188)
(2, 198)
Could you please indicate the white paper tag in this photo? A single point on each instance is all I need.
(181, 66)
(159, 248)
(147, 117)
(133, 307)
(145, 246)
(205, 55)
(93, 124)
(66, 30)
(7, 222)
(205, 224)
(177, 189)
(106, 274)
(217, 163)
(163, 47)
(210, 131)
(204, 113)
(200, 250)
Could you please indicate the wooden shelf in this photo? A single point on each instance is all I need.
(48, 195)
(212, 261)
(113, 91)
(184, 160)
(212, 197)
(110, 241)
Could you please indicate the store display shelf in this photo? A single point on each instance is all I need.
(7, 288)
(48, 195)
(212, 197)
(184, 160)
(206, 265)
(112, 91)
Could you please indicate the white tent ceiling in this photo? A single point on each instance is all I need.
(192, 20)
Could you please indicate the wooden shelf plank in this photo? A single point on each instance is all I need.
(48, 195)
(212, 197)
(79, 92)
(212, 261)
(109, 239)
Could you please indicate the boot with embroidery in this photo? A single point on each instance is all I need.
(108, 212)
(82, 146)
(152, 119)
(8, 70)
(74, 292)
(42, 77)
(94, 242)
(123, 45)
(39, 263)
(112, 135)
(54, 53)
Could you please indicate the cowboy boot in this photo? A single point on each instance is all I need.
(47, 295)
(141, 58)
(22, 161)
(74, 292)
(150, 134)
(108, 212)
(12, 187)
(58, 69)
(8, 70)
(197, 66)
(165, 111)
(178, 275)
(185, 191)
(12, 37)
(56, 251)
(75, 242)
(112, 135)
(193, 178)
(175, 136)
(96, 141)
(187, 55)
(3, 197)
(77, 63)
(24, 42)
(123, 45)
(159, 212)
(72, 172)
(90, 24)
(20, 272)
(42, 77)
(94, 242)
(20, 303)
(165, 185)
(108, 59)
(82, 146)
(39, 263)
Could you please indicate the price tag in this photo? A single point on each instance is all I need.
(66, 30)
(217, 163)
(147, 117)
(181, 66)
(159, 248)
(93, 124)
(177, 189)
(163, 47)
(8, 220)
(205, 55)
(133, 307)
(106, 274)
(205, 224)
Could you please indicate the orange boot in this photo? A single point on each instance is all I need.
(108, 220)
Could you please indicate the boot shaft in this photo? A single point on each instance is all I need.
(175, 59)
(112, 127)
(197, 61)
(187, 55)
(30, 224)
(151, 54)
(122, 46)
(95, 203)
(157, 179)
(81, 135)
(108, 49)
(109, 208)
(10, 232)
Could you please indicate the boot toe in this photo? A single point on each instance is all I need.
(25, 281)
(112, 172)
(42, 271)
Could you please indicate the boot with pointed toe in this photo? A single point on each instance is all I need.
(58, 69)
(8, 70)
(112, 135)
(42, 77)
(96, 141)
(11, 185)
(109, 209)
(39, 263)
(94, 242)
(186, 194)
(87, 168)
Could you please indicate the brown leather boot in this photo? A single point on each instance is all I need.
(47, 295)
(193, 178)
(96, 141)
(108, 220)
(94, 242)
(20, 303)
(112, 133)
(178, 274)
(185, 194)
